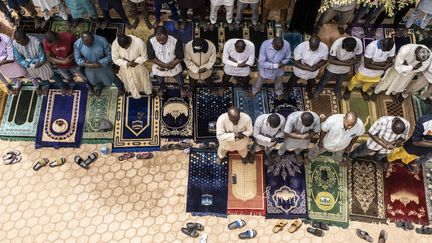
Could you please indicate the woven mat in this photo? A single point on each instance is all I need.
(400, 40)
(3, 99)
(285, 189)
(427, 179)
(104, 106)
(207, 185)
(325, 105)
(62, 26)
(405, 195)
(327, 196)
(251, 106)
(294, 102)
(366, 191)
(137, 124)
(176, 114)
(21, 115)
(247, 195)
(420, 107)
(387, 107)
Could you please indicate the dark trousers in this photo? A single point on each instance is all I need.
(133, 9)
(243, 80)
(158, 7)
(5, 11)
(362, 150)
(118, 7)
(368, 12)
(326, 78)
(399, 14)
(208, 82)
(197, 12)
(293, 80)
(178, 77)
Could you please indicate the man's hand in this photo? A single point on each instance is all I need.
(239, 135)
(132, 64)
(281, 65)
(232, 59)
(161, 68)
(419, 65)
(398, 143)
(202, 70)
(243, 64)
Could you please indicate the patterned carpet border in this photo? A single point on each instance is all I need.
(251, 106)
(325, 105)
(427, 179)
(387, 107)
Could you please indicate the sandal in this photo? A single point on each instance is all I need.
(279, 226)
(59, 162)
(295, 226)
(239, 223)
(248, 234)
(314, 231)
(364, 235)
(41, 163)
(405, 225)
(320, 225)
(166, 147)
(80, 161)
(144, 155)
(196, 226)
(126, 156)
(424, 230)
(92, 158)
(383, 236)
(190, 232)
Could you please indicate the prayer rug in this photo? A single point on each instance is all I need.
(207, 109)
(104, 106)
(21, 115)
(62, 26)
(212, 36)
(327, 191)
(234, 34)
(423, 39)
(287, 105)
(61, 121)
(400, 40)
(251, 106)
(258, 37)
(294, 39)
(137, 124)
(359, 32)
(427, 177)
(28, 25)
(3, 100)
(185, 35)
(112, 30)
(207, 185)
(420, 107)
(325, 105)
(366, 191)
(405, 195)
(176, 114)
(246, 185)
(285, 188)
(387, 107)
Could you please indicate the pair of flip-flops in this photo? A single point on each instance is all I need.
(405, 225)
(365, 236)
(424, 230)
(42, 162)
(192, 229)
(240, 223)
(317, 229)
(12, 157)
(280, 225)
(130, 155)
(85, 163)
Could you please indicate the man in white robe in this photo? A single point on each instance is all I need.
(47, 5)
(130, 53)
(233, 130)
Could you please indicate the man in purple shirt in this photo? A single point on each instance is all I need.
(274, 55)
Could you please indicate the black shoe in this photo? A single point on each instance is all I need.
(346, 94)
(365, 95)
(316, 232)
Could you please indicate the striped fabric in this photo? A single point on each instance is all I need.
(80, 8)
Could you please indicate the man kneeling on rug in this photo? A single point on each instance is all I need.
(233, 130)
(267, 129)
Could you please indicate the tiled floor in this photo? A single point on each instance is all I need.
(138, 201)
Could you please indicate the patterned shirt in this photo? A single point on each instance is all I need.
(269, 59)
(263, 132)
(383, 129)
(338, 138)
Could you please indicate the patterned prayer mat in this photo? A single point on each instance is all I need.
(258, 37)
(3, 100)
(234, 34)
(366, 191)
(387, 107)
(246, 185)
(325, 105)
(359, 32)
(405, 195)
(21, 115)
(62, 26)
(207, 185)
(294, 102)
(61, 121)
(176, 114)
(104, 106)
(294, 39)
(420, 107)
(285, 189)
(400, 40)
(28, 25)
(207, 109)
(367, 111)
(137, 124)
(185, 35)
(423, 39)
(251, 106)
(111, 31)
(212, 36)
(327, 191)
(427, 178)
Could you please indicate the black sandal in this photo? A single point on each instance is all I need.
(320, 225)
(424, 230)
(316, 232)
(190, 232)
(196, 226)
(80, 161)
(91, 158)
(364, 235)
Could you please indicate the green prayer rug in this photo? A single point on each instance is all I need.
(420, 106)
(327, 191)
(104, 106)
(62, 26)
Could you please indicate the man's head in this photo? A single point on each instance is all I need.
(350, 119)
(51, 36)
(87, 38)
(21, 37)
(240, 46)
(349, 44)
(278, 43)
(398, 126)
(161, 35)
(273, 120)
(314, 42)
(234, 114)
(387, 44)
(307, 119)
(124, 41)
(422, 54)
(199, 45)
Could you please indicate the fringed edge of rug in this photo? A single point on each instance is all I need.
(246, 212)
(368, 220)
(426, 222)
(300, 216)
(200, 214)
(141, 149)
(96, 141)
(330, 223)
(17, 139)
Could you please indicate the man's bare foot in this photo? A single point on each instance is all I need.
(230, 27)
(149, 26)
(135, 23)
(262, 27)
(218, 160)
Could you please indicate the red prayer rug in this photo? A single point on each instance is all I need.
(405, 195)
(246, 186)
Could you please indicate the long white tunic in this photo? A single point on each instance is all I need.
(225, 132)
(136, 79)
(247, 56)
(46, 4)
(397, 78)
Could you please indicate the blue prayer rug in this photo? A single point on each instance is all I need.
(287, 105)
(184, 35)
(176, 114)
(137, 124)
(294, 39)
(400, 40)
(207, 192)
(61, 121)
(285, 189)
(207, 109)
(251, 106)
